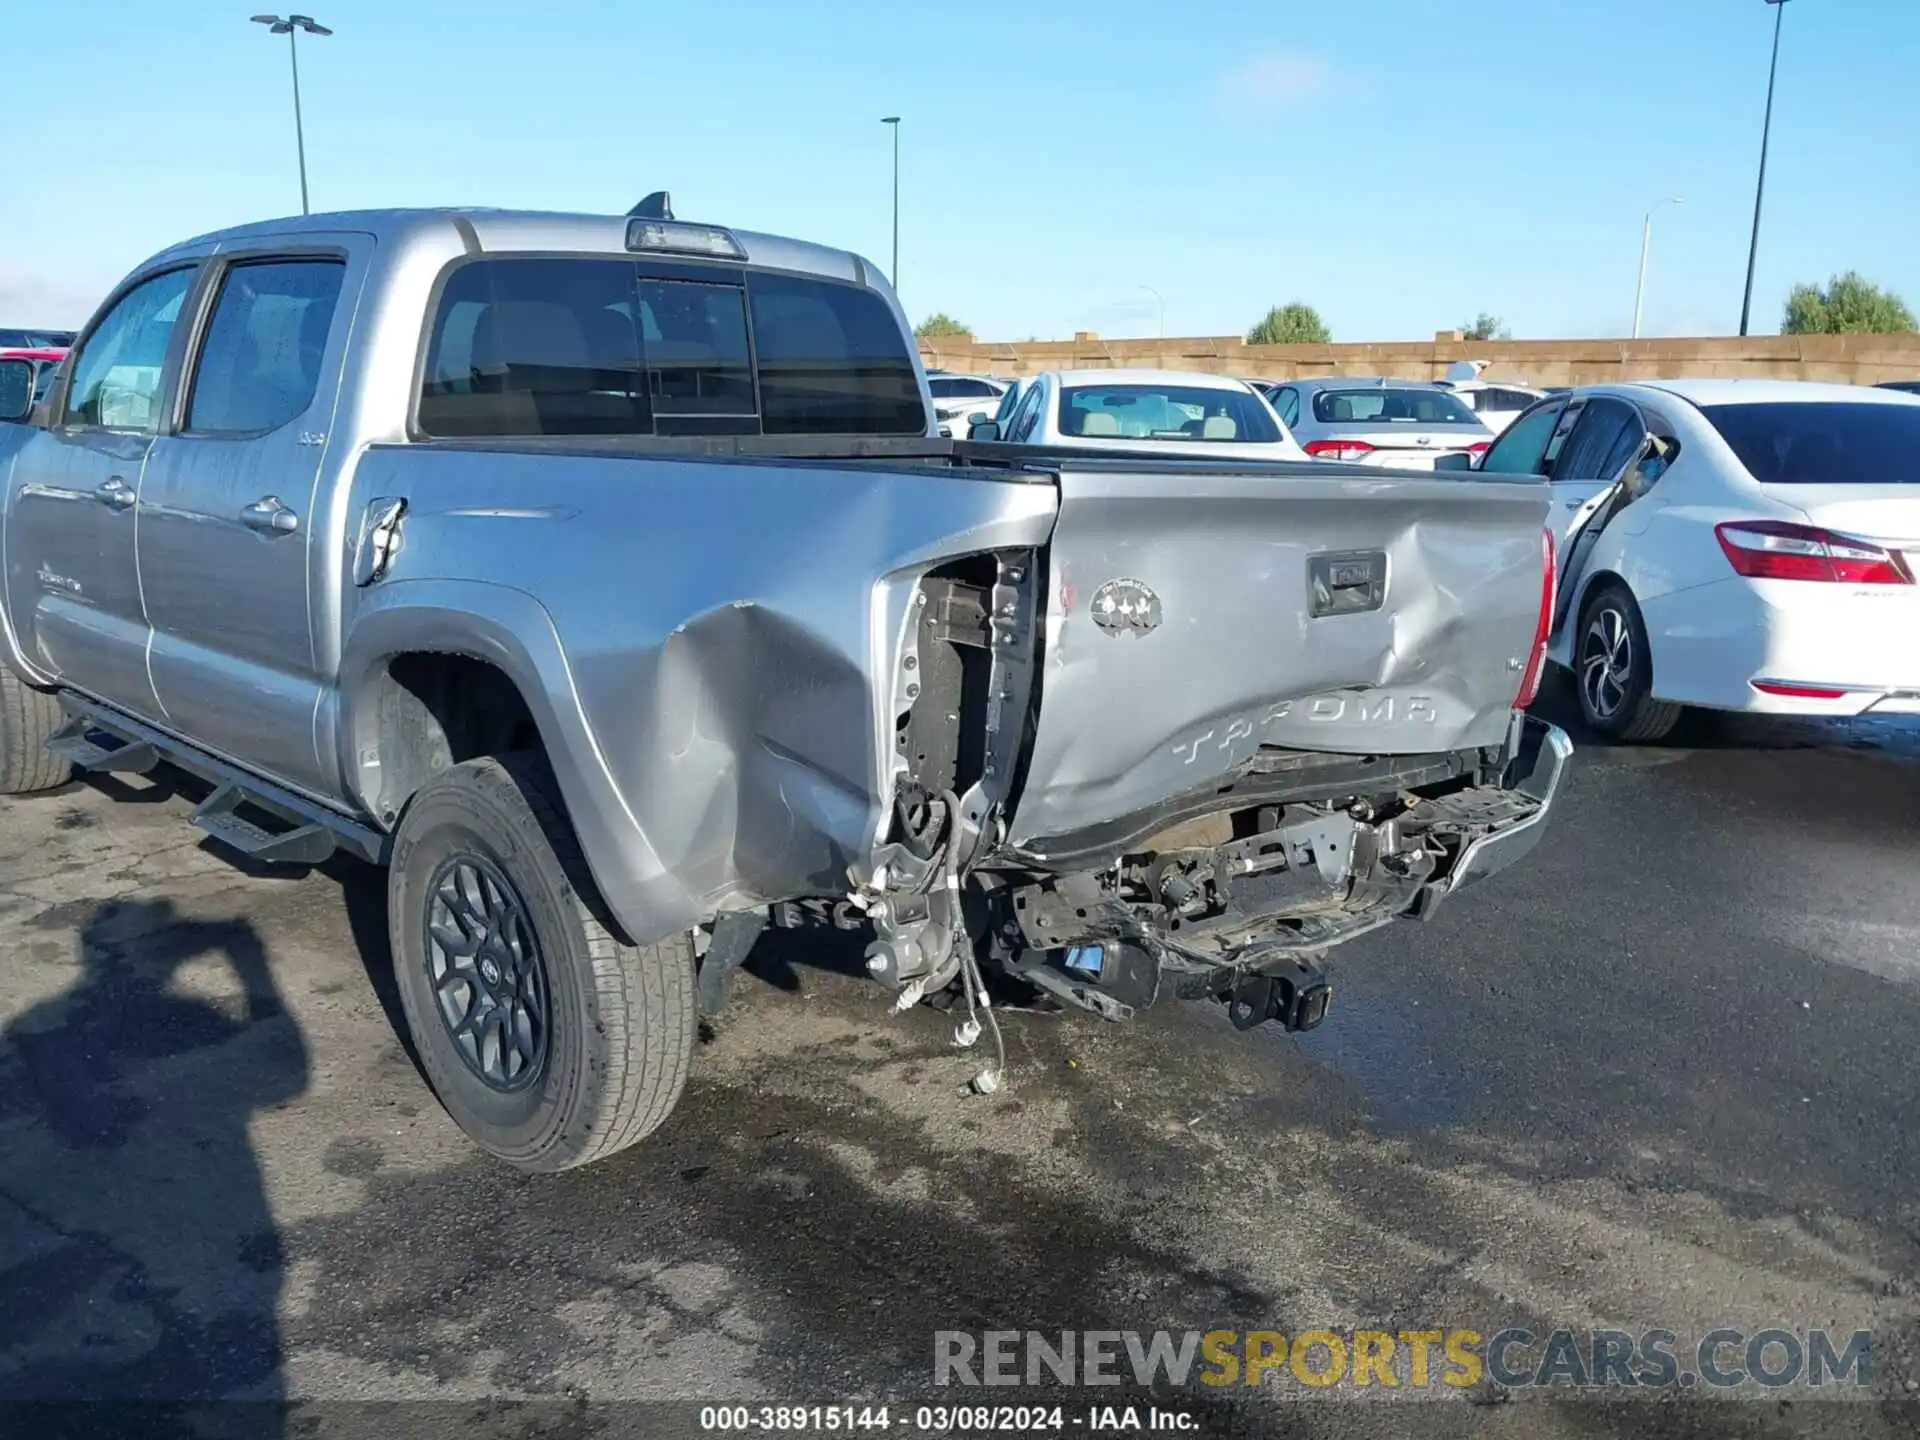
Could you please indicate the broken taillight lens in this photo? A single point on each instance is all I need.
(1543, 623)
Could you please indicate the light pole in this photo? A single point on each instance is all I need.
(1760, 187)
(1646, 236)
(1163, 308)
(894, 122)
(291, 26)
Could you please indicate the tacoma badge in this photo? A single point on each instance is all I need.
(1126, 607)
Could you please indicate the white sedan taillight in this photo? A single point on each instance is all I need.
(1780, 550)
(1338, 449)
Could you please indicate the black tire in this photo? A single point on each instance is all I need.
(1613, 670)
(27, 718)
(620, 1024)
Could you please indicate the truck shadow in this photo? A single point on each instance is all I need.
(141, 1258)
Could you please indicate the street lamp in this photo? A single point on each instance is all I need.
(1163, 308)
(1646, 235)
(290, 26)
(1760, 187)
(894, 121)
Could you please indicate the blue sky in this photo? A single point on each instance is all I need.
(1401, 164)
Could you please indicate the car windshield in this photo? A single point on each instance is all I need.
(1821, 443)
(1166, 412)
(1381, 405)
(34, 339)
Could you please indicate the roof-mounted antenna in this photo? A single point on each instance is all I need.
(657, 206)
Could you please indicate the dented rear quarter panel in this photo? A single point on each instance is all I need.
(1237, 660)
(727, 633)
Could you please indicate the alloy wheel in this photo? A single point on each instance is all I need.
(1606, 662)
(484, 964)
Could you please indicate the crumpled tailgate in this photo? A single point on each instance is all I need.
(1195, 614)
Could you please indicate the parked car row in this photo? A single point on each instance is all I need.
(1731, 545)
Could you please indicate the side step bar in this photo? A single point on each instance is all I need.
(219, 815)
(99, 739)
(87, 746)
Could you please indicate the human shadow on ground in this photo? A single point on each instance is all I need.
(139, 1258)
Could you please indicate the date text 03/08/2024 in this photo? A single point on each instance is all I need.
(947, 1419)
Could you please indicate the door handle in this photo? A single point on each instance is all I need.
(270, 515)
(115, 493)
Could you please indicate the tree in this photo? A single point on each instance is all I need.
(941, 326)
(1851, 304)
(1487, 327)
(1294, 324)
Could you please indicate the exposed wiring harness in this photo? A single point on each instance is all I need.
(991, 1077)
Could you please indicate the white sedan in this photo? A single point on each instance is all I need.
(1188, 411)
(1731, 544)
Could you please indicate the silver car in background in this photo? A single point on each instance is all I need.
(1400, 424)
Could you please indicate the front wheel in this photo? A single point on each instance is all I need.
(1613, 670)
(549, 1040)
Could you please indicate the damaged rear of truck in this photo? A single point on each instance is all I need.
(1219, 722)
(1129, 729)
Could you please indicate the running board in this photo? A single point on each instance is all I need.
(219, 815)
(86, 746)
(312, 831)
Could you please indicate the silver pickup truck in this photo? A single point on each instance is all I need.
(605, 579)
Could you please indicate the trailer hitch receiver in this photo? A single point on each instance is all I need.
(1295, 996)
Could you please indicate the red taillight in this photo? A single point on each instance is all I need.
(1479, 448)
(1338, 449)
(1537, 661)
(1778, 550)
(1797, 692)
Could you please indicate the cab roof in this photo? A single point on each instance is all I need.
(520, 230)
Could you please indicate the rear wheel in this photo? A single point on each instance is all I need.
(27, 718)
(550, 1041)
(1613, 670)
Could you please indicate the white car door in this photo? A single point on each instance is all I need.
(1595, 440)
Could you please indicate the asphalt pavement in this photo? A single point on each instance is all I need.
(1663, 1075)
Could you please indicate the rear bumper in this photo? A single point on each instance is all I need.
(1538, 765)
(1712, 642)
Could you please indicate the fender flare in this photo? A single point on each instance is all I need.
(512, 631)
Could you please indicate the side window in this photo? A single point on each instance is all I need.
(259, 365)
(1522, 447)
(116, 374)
(1286, 403)
(1028, 415)
(832, 360)
(536, 347)
(1601, 443)
(941, 388)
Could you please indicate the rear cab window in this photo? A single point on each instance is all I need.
(1165, 412)
(610, 346)
(1812, 442)
(1386, 405)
